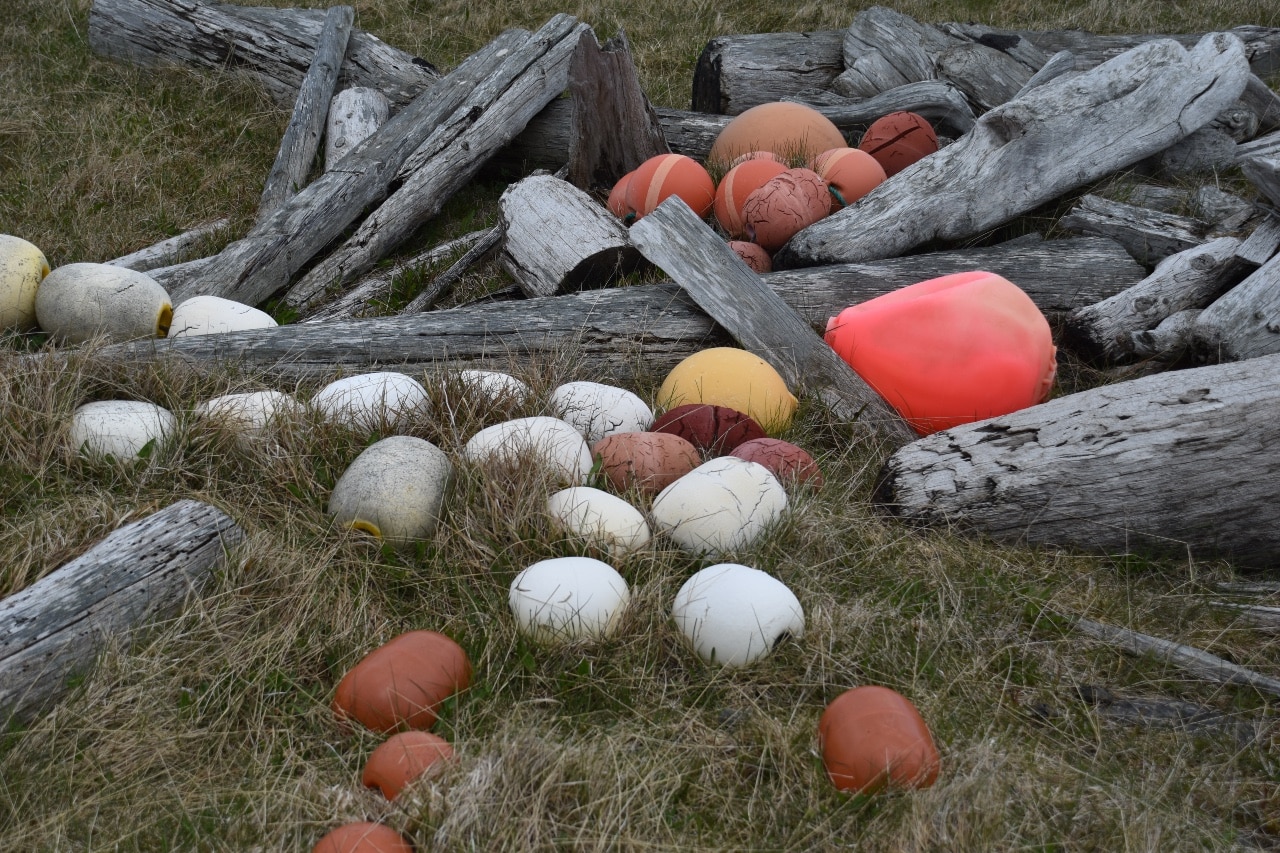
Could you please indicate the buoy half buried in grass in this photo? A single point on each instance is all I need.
(732, 614)
(550, 443)
(22, 267)
(363, 837)
(250, 414)
(873, 737)
(395, 490)
(567, 599)
(951, 350)
(403, 758)
(77, 302)
(601, 518)
(401, 684)
(372, 401)
(119, 428)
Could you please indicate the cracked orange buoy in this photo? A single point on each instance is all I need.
(872, 737)
(951, 350)
(898, 140)
(785, 205)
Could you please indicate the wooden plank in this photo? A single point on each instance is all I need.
(354, 115)
(683, 246)
(140, 573)
(301, 139)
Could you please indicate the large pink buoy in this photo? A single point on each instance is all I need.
(951, 350)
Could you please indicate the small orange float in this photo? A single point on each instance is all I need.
(665, 175)
(402, 683)
(872, 737)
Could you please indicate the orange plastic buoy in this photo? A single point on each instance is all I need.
(617, 202)
(899, 140)
(850, 174)
(363, 837)
(785, 205)
(788, 130)
(753, 254)
(951, 350)
(658, 178)
(402, 758)
(872, 737)
(738, 183)
(402, 683)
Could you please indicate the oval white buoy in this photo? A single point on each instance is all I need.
(22, 267)
(722, 505)
(379, 400)
(732, 614)
(495, 387)
(77, 302)
(597, 410)
(600, 517)
(395, 489)
(212, 315)
(249, 414)
(568, 598)
(119, 428)
(548, 442)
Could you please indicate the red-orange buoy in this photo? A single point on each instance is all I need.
(665, 175)
(872, 737)
(850, 174)
(738, 183)
(788, 130)
(402, 758)
(753, 254)
(898, 140)
(363, 837)
(783, 206)
(402, 684)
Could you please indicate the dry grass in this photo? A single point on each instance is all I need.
(212, 731)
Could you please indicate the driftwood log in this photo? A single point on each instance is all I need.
(142, 572)
(273, 47)
(1189, 279)
(354, 115)
(256, 266)
(301, 138)
(1262, 244)
(1245, 321)
(986, 75)
(1179, 462)
(1033, 149)
(681, 244)
(883, 49)
(170, 251)
(1149, 235)
(488, 243)
(495, 112)
(1169, 340)
(559, 239)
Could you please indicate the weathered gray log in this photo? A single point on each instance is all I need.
(354, 115)
(1030, 150)
(1245, 321)
(1207, 151)
(140, 573)
(1262, 245)
(1171, 713)
(1188, 658)
(492, 115)
(302, 136)
(273, 47)
(1061, 64)
(489, 243)
(939, 101)
(1258, 614)
(251, 269)
(377, 285)
(1264, 102)
(170, 251)
(986, 75)
(1178, 462)
(614, 128)
(1249, 587)
(1019, 48)
(1263, 171)
(1169, 340)
(1190, 279)
(1263, 145)
(1149, 235)
(736, 73)
(176, 278)
(683, 246)
(1225, 212)
(1239, 121)
(884, 49)
(559, 239)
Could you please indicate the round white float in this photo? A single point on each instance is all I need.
(549, 442)
(212, 315)
(119, 428)
(722, 505)
(249, 414)
(22, 268)
(395, 489)
(600, 517)
(568, 598)
(597, 410)
(494, 386)
(77, 302)
(733, 614)
(372, 400)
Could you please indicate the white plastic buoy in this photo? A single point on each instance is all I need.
(495, 387)
(211, 315)
(249, 414)
(22, 267)
(372, 401)
(395, 489)
(732, 614)
(77, 302)
(568, 598)
(548, 442)
(597, 410)
(722, 505)
(600, 517)
(119, 428)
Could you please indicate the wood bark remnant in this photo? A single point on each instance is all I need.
(683, 246)
(1190, 279)
(1169, 340)
(883, 49)
(273, 47)
(1149, 235)
(489, 117)
(1033, 149)
(1245, 322)
(140, 573)
(253, 268)
(170, 251)
(1178, 462)
(302, 136)
(560, 239)
(487, 244)
(354, 115)
(736, 73)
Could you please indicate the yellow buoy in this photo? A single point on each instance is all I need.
(726, 376)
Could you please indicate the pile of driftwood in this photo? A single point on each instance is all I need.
(1170, 275)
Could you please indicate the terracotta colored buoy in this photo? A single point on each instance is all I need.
(402, 683)
(753, 255)
(402, 758)
(872, 737)
(665, 175)
(647, 461)
(898, 140)
(732, 377)
(363, 837)
(792, 131)
(738, 183)
(784, 205)
(951, 350)
(850, 174)
(784, 460)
